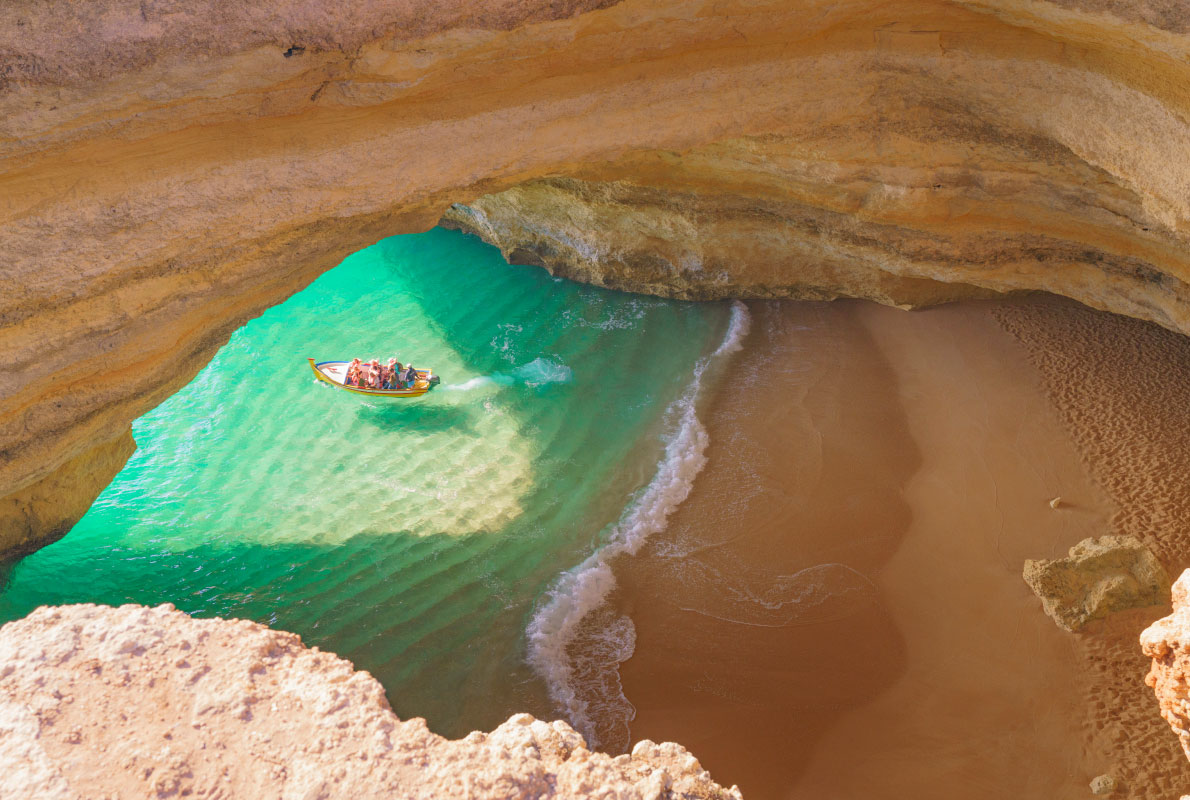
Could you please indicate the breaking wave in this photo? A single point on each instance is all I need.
(583, 589)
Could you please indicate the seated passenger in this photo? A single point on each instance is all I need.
(374, 375)
(390, 374)
(352, 378)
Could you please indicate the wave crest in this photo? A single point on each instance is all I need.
(583, 589)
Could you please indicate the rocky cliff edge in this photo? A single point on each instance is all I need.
(150, 703)
(1167, 642)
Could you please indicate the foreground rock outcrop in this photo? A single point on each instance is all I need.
(148, 702)
(1098, 577)
(169, 171)
(1167, 642)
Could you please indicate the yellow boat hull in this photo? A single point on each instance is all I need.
(334, 373)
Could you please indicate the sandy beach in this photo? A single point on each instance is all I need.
(1122, 389)
(838, 610)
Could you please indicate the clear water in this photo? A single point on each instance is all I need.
(417, 538)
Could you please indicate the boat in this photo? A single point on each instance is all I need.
(335, 373)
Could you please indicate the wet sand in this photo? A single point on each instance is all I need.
(992, 702)
(756, 619)
(837, 610)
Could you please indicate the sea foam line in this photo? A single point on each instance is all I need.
(583, 589)
(537, 372)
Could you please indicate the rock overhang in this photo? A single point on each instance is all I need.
(168, 176)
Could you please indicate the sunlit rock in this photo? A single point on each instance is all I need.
(148, 702)
(1099, 576)
(1167, 642)
(168, 173)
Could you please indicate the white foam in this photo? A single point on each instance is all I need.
(468, 385)
(537, 372)
(584, 588)
(541, 371)
(810, 596)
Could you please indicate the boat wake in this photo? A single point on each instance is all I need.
(583, 589)
(538, 372)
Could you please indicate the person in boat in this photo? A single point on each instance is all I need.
(374, 375)
(409, 376)
(390, 374)
(353, 377)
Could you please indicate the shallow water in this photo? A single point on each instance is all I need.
(415, 537)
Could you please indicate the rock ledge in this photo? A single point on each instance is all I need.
(148, 702)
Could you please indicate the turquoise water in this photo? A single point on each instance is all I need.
(418, 538)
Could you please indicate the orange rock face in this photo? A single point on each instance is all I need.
(169, 171)
(1167, 642)
(142, 702)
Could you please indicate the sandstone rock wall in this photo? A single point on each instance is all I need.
(147, 703)
(168, 171)
(46, 510)
(1167, 642)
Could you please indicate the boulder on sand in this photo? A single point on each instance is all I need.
(1098, 577)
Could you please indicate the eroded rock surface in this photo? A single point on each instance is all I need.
(1099, 576)
(1167, 642)
(168, 171)
(147, 702)
(46, 510)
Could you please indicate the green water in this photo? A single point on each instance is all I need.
(414, 537)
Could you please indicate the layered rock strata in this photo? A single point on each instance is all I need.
(1097, 577)
(147, 702)
(167, 172)
(46, 510)
(1167, 642)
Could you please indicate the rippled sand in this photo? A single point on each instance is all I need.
(838, 610)
(1122, 388)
